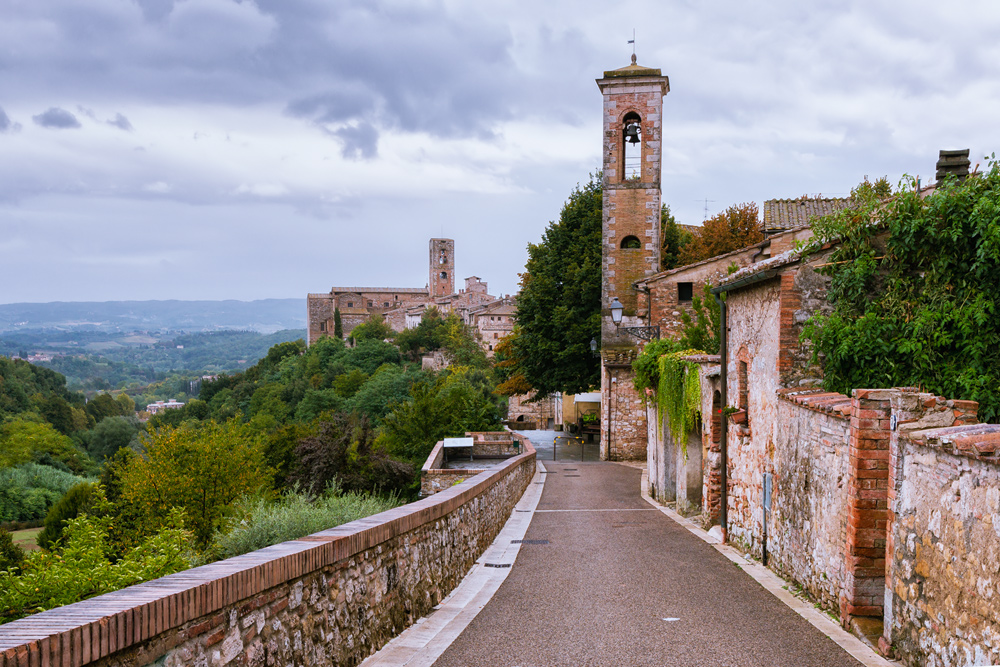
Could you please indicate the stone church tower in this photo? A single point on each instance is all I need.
(633, 105)
(442, 268)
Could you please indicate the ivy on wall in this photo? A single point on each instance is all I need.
(914, 288)
(662, 369)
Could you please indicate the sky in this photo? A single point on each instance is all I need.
(225, 149)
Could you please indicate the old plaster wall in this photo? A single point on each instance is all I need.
(807, 526)
(753, 317)
(331, 598)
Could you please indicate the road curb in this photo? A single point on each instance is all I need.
(777, 587)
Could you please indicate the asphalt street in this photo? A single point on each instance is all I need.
(603, 579)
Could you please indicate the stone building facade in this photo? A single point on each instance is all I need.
(402, 307)
(630, 243)
(878, 504)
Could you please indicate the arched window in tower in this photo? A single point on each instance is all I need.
(443, 258)
(444, 275)
(631, 243)
(632, 142)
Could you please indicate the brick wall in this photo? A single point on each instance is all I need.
(331, 598)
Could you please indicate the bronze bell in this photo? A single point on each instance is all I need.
(632, 133)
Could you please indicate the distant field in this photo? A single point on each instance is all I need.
(26, 538)
(139, 340)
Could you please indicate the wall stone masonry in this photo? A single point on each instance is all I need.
(331, 598)
(943, 592)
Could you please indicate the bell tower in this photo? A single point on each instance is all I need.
(633, 112)
(442, 268)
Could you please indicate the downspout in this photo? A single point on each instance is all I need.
(724, 421)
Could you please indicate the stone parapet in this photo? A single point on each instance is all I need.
(333, 597)
(827, 402)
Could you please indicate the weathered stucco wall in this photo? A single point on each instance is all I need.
(807, 527)
(753, 316)
(331, 598)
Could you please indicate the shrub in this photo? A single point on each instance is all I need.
(342, 452)
(82, 570)
(11, 555)
(76, 501)
(200, 470)
(22, 441)
(259, 522)
(28, 491)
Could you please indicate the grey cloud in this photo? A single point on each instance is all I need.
(56, 118)
(360, 141)
(4, 121)
(121, 122)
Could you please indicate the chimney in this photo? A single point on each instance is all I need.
(953, 163)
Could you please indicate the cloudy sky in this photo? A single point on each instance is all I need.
(210, 149)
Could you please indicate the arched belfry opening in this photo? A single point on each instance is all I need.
(631, 243)
(632, 144)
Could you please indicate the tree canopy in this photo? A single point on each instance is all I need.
(914, 292)
(559, 306)
(737, 227)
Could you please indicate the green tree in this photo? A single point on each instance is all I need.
(376, 328)
(338, 326)
(673, 240)
(559, 306)
(22, 441)
(111, 435)
(423, 338)
(199, 470)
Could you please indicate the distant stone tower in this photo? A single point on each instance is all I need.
(442, 268)
(633, 106)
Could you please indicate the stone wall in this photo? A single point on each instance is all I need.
(434, 477)
(623, 411)
(331, 598)
(943, 588)
(807, 526)
(524, 413)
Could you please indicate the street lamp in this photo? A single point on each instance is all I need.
(593, 347)
(645, 333)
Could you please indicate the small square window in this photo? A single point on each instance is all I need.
(350, 304)
(385, 304)
(685, 291)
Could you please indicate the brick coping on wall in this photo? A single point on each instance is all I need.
(92, 629)
(827, 402)
(975, 441)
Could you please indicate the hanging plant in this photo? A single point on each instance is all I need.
(678, 395)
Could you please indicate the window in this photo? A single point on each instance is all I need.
(631, 243)
(385, 304)
(741, 379)
(685, 291)
(444, 275)
(632, 147)
(322, 326)
(491, 348)
(495, 336)
(370, 303)
(350, 304)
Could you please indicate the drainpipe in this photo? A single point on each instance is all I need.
(724, 435)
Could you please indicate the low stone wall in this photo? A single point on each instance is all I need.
(331, 598)
(434, 477)
(807, 527)
(943, 594)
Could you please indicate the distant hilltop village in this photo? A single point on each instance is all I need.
(403, 307)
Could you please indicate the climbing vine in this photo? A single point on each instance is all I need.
(662, 369)
(915, 283)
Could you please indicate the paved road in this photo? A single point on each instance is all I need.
(560, 446)
(598, 593)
